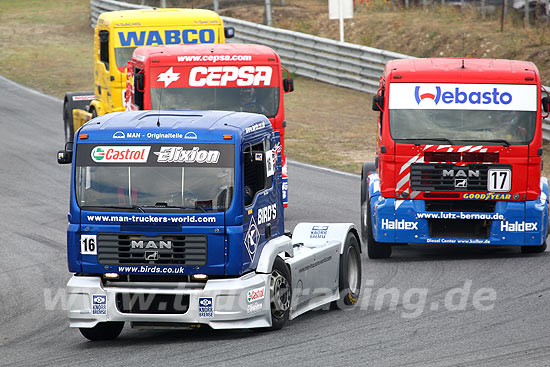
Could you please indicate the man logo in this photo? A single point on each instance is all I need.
(461, 183)
(151, 244)
(461, 173)
(151, 255)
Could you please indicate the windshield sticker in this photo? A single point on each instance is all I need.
(168, 77)
(214, 58)
(178, 154)
(188, 155)
(214, 76)
(223, 76)
(441, 96)
(120, 154)
(166, 37)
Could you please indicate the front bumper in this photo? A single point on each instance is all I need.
(511, 223)
(226, 303)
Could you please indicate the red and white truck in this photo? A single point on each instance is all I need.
(459, 156)
(229, 77)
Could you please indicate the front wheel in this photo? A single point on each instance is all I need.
(533, 249)
(103, 331)
(349, 279)
(281, 294)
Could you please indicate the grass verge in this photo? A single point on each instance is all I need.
(48, 45)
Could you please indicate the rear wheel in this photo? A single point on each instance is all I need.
(349, 279)
(281, 294)
(103, 331)
(375, 250)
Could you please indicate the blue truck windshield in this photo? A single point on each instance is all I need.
(155, 177)
(514, 127)
(264, 100)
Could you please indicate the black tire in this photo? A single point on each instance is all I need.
(68, 123)
(94, 113)
(349, 277)
(103, 331)
(281, 294)
(533, 249)
(375, 250)
(367, 167)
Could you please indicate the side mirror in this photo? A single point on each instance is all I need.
(546, 104)
(140, 82)
(229, 32)
(288, 85)
(378, 103)
(64, 156)
(104, 36)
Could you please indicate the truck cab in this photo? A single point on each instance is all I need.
(227, 77)
(459, 156)
(116, 35)
(176, 219)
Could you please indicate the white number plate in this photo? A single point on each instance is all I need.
(499, 180)
(88, 244)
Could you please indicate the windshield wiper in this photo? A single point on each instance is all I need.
(428, 139)
(116, 207)
(503, 141)
(165, 205)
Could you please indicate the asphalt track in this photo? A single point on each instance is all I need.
(33, 218)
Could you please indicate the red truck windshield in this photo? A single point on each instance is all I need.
(516, 127)
(264, 100)
(463, 113)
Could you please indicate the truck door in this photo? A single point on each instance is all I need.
(263, 207)
(102, 73)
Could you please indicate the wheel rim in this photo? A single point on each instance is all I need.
(280, 294)
(353, 270)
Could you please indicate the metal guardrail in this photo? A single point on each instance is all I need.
(343, 64)
(339, 63)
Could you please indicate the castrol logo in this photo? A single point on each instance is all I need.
(220, 76)
(120, 154)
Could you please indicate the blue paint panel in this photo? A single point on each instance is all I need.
(521, 223)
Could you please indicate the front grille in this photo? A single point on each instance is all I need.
(478, 206)
(165, 249)
(448, 177)
(464, 228)
(152, 303)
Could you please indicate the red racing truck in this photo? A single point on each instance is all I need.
(229, 77)
(459, 156)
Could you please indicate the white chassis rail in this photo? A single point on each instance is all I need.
(313, 256)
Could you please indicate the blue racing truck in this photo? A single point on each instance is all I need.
(176, 220)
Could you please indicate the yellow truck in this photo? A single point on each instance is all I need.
(116, 36)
